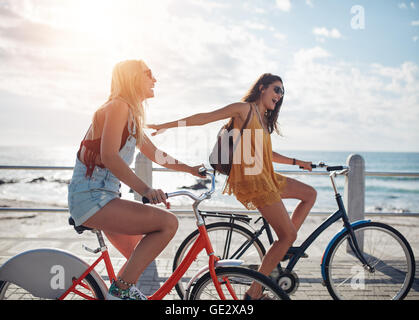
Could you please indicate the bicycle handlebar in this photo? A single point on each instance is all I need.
(203, 172)
(328, 168)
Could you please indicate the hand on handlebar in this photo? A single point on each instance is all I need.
(148, 196)
(198, 171)
(154, 196)
(305, 165)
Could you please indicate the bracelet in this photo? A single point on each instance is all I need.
(125, 283)
(293, 161)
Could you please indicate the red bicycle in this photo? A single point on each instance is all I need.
(57, 274)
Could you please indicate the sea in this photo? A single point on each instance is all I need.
(48, 188)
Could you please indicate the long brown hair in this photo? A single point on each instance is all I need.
(254, 94)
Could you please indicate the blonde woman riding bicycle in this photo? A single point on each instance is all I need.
(103, 162)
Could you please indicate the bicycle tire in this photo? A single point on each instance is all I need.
(212, 228)
(10, 291)
(362, 281)
(240, 279)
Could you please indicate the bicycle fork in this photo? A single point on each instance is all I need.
(352, 240)
(353, 244)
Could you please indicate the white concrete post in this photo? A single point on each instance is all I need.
(354, 196)
(144, 170)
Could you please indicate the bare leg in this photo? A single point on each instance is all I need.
(307, 194)
(125, 244)
(285, 227)
(133, 218)
(277, 216)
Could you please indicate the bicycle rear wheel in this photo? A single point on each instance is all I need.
(385, 249)
(234, 284)
(89, 289)
(229, 240)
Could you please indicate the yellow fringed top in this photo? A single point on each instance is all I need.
(252, 178)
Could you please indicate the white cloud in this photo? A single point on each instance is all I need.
(252, 8)
(255, 25)
(336, 103)
(199, 63)
(323, 32)
(402, 5)
(403, 78)
(280, 36)
(203, 63)
(412, 5)
(284, 5)
(415, 23)
(304, 56)
(209, 5)
(415, 38)
(309, 3)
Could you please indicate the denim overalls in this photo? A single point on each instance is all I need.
(86, 195)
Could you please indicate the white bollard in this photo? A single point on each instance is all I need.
(354, 196)
(144, 170)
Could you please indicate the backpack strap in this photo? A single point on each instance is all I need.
(241, 130)
(216, 152)
(247, 120)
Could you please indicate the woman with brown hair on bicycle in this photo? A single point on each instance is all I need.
(257, 186)
(103, 161)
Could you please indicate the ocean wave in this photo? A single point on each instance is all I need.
(408, 179)
(386, 190)
(34, 180)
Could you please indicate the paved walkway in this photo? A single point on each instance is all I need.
(24, 231)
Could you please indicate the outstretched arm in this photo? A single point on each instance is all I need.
(232, 110)
(278, 158)
(162, 158)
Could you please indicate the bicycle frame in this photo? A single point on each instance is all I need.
(339, 214)
(79, 281)
(202, 242)
(298, 252)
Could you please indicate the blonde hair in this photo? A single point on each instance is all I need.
(128, 85)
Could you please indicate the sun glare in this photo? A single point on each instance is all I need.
(104, 22)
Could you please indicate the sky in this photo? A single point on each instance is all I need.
(350, 68)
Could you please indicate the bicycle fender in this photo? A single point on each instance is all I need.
(46, 273)
(203, 270)
(353, 224)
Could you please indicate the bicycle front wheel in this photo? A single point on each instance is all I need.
(229, 240)
(386, 251)
(234, 284)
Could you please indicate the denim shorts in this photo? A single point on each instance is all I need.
(87, 195)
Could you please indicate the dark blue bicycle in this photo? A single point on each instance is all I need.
(365, 260)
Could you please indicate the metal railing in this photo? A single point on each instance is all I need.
(354, 187)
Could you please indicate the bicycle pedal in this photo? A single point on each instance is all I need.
(291, 254)
(90, 250)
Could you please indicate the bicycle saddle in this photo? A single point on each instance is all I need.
(79, 229)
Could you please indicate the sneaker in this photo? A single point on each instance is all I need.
(132, 293)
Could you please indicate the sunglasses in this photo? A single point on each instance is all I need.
(279, 90)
